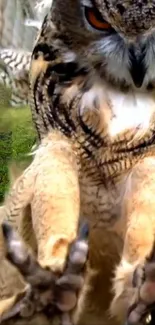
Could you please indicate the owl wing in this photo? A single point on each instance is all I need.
(16, 42)
(19, 22)
(14, 74)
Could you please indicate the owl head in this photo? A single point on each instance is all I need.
(116, 38)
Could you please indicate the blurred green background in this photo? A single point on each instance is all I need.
(17, 136)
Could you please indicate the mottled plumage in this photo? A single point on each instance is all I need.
(92, 83)
(14, 74)
(92, 78)
(19, 23)
(29, 289)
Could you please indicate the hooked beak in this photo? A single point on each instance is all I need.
(137, 65)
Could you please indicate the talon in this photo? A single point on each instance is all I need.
(71, 282)
(21, 257)
(79, 251)
(136, 314)
(144, 281)
(17, 252)
(43, 284)
(83, 231)
(79, 255)
(7, 230)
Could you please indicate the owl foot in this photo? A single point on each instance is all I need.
(142, 310)
(46, 291)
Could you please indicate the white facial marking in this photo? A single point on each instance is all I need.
(131, 110)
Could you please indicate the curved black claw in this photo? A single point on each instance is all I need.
(143, 310)
(20, 256)
(142, 315)
(70, 284)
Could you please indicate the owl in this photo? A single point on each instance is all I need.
(92, 81)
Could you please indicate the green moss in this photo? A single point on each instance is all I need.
(17, 137)
(5, 156)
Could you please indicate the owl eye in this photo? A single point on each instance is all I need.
(95, 20)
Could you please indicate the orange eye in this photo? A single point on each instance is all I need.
(95, 20)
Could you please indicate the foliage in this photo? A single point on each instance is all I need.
(17, 137)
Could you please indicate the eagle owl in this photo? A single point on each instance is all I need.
(92, 81)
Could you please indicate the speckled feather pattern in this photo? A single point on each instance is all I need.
(82, 91)
(112, 130)
(17, 37)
